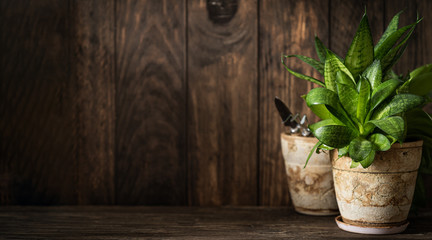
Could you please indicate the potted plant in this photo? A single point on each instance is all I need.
(311, 189)
(365, 108)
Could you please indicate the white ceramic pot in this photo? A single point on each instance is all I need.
(311, 188)
(379, 196)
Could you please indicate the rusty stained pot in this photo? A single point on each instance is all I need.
(379, 196)
(311, 188)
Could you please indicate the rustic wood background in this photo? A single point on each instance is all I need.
(163, 102)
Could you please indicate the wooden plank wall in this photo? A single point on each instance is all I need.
(164, 102)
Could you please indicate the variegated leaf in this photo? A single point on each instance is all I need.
(374, 74)
(394, 126)
(399, 103)
(360, 54)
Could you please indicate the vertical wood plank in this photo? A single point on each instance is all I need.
(345, 17)
(222, 103)
(150, 102)
(286, 27)
(37, 119)
(92, 69)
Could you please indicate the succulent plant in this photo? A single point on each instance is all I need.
(362, 103)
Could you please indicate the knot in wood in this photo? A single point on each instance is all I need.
(221, 11)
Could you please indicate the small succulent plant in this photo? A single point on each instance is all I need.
(362, 103)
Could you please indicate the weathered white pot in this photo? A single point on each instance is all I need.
(380, 195)
(311, 188)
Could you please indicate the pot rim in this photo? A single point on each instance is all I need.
(309, 139)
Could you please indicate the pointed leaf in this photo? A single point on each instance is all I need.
(374, 74)
(302, 76)
(335, 136)
(312, 62)
(382, 49)
(394, 126)
(395, 53)
(380, 142)
(383, 91)
(331, 67)
(360, 54)
(348, 97)
(391, 28)
(320, 49)
(363, 99)
(399, 104)
(359, 149)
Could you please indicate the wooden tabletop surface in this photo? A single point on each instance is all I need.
(122, 222)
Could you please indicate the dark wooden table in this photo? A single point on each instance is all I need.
(120, 222)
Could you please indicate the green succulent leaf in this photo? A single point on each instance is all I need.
(322, 123)
(421, 70)
(343, 151)
(361, 52)
(318, 96)
(321, 111)
(348, 97)
(320, 49)
(359, 149)
(323, 147)
(341, 77)
(380, 142)
(391, 28)
(322, 96)
(394, 126)
(368, 160)
(363, 99)
(331, 67)
(374, 74)
(395, 53)
(312, 62)
(400, 103)
(421, 84)
(335, 136)
(382, 49)
(302, 76)
(354, 164)
(383, 91)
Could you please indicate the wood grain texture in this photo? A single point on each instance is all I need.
(286, 27)
(150, 102)
(182, 223)
(92, 70)
(222, 105)
(345, 17)
(37, 119)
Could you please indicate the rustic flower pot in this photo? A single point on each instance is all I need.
(377, 199)
(311, 188)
